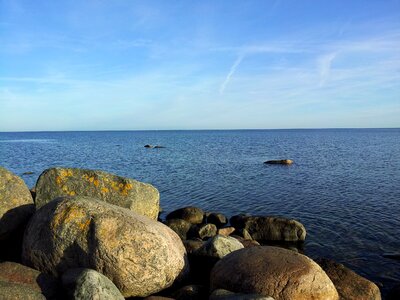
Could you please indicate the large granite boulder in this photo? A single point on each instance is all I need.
(16, 203)
(191, 214)
(139, 197)
(349, 285)
(271, 228)
(141, 256)
(21, 282)
(272, 271)
(87, 284)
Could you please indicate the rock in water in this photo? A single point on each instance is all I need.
(87, 284)
(271, 228)
(279, 162)
(349, 285)
(141, 256)
(16, 203)
(191, 214)
(272, 271)
(139, 197)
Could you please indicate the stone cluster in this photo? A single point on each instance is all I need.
(85, 234)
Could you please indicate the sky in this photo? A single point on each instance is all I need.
(155, 65)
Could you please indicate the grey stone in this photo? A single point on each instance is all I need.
(139, 197)
(141, 256)
(87, 284)
(219, 246)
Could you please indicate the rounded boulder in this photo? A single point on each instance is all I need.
(272, 271)
(16, 203)
(141, 256)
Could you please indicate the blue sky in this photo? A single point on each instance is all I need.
(110, 65)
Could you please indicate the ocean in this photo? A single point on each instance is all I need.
(344, 185)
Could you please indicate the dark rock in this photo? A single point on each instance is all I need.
(272, 228)
(202, 231)
(279, 162)
(148, 146)
(192, 245)
(246, 243)
(217, 219)
(140, 255)
(191, 292)
(237, 220)
(349, 285)
(243, 233)
(221, 294)
(28, 173)
(191, 214)
(219, 246)
(394, 293)
(16, 203)
(159, 147)
(158, 298)
(272, 271)
(139, 197)
(26, 280)
(87, 284)
(181, 227)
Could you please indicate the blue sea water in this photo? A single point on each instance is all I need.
(344, 185)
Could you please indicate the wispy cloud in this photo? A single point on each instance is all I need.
(230, 74)
(324, 66)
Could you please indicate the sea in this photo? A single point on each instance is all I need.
(344, 185)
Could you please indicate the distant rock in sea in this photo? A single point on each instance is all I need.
(279, 162)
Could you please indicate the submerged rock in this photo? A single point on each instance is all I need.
(87, 284)
(271, 228)
(272, 271)
(139, 197)
(16, 203)
(279, 162)
(141, 256)
(349, 284)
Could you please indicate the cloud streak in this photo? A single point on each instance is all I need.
(230, 74)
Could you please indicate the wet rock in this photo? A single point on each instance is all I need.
(221, 294)
(217, 219)
(191, 214)
(272, 271)
(203, 231)
(148, 146)
(87, 284)
(181, 227)
(191, 292)
(25, 281)
(279, 162)
(242, 232)
(159, 147)
(226, 230)
(219, 246)
(139, 197)
(349, 285)
(16, 203)
(272, 228)
(141, 256)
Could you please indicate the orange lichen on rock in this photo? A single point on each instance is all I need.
(104, 190)
(73, 215)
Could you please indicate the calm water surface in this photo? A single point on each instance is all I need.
(344, 186)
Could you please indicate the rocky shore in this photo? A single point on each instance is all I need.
(85, 234)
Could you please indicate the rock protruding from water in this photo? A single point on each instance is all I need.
(217, 219)
(272, 271)
(279, 162)
(87, 284)
(270, 228)
(21, 282)
(139, 197)
(141, 256)
(191, 214)
(349, 285)
(16, 203)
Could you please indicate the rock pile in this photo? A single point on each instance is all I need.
(94, 235)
